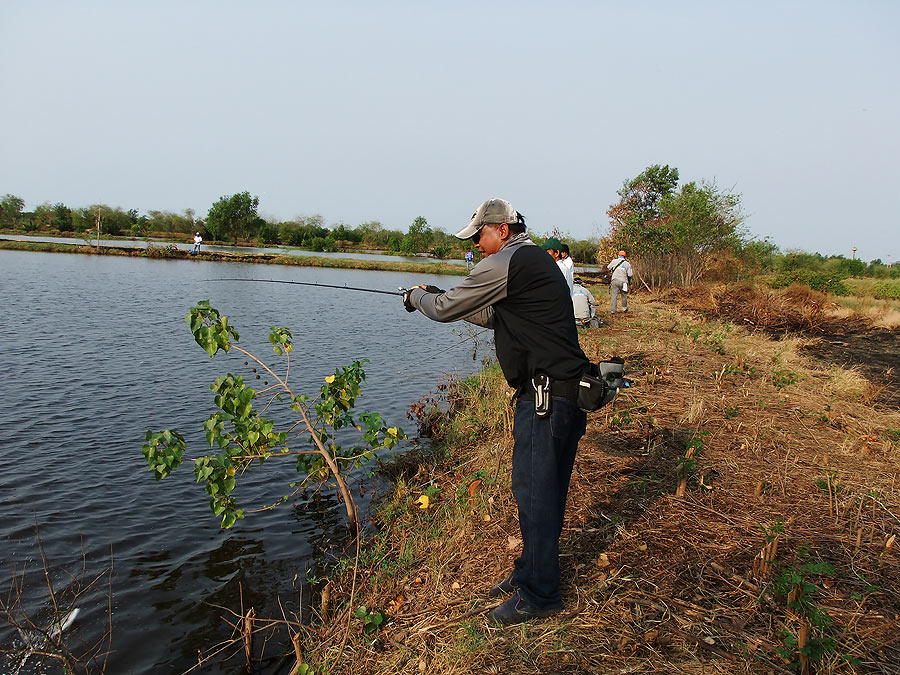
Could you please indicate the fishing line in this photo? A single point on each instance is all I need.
(312, 283)
(470, 338)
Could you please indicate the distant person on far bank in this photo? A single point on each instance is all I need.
(197, 240)
(619, 281)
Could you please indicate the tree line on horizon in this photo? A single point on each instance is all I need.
(673, 234)
(235, 219)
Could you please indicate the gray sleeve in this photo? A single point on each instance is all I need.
(472, 298)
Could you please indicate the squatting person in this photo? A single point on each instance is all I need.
(517, 290)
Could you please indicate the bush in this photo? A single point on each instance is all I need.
(327, 244)
(827, 282)
(887, 290)
(268, 235)
(442, 251)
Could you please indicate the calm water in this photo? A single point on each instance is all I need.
(95, 351)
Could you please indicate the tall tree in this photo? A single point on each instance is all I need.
(638, 205)
(419, 237)
(670, 232)
(234, 217)
(62, 219)
(11, 208)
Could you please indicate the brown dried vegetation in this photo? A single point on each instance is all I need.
(785, 449)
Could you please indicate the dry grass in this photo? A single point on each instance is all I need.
(653, 583)
(877, 313)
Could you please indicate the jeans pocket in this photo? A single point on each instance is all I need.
(562, 416)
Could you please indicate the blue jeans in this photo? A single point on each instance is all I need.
(543, 457)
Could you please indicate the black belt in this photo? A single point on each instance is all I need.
(565, 389)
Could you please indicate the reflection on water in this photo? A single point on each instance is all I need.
(96, 351)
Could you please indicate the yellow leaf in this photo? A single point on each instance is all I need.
(329, 379)
(423, 502)
(392, 431)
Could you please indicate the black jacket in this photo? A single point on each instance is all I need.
(520, 293)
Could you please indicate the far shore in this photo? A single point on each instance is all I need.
(168, 252)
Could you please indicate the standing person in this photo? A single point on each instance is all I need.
(197, 240)
(566, 259)
(517, 290)
(619, 281)
(553, 246)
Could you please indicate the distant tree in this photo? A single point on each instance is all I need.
(671, 233)
(303, 230)
(234, 217)
(419, 237)
(62, 217)
(43, 216)
(638, 207)
(372, 234)
(761, 254)
(11, 208)
(583, 251)
(269, 235)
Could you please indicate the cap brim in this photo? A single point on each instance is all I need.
(469, 230)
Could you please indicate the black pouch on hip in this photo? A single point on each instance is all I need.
(600, 383)
(541, 384)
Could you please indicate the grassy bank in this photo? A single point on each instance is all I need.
(169, 252)
(783, 534)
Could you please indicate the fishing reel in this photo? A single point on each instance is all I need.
(600, 383)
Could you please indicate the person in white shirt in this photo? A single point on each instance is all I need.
(197, 240)
(619, 281)
(585, 305)
(553, 246)
(566, 259)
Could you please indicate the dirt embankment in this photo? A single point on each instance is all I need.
(735, 511)
(172, 252)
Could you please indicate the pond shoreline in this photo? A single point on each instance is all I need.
(170, 252)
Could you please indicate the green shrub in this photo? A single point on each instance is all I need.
(827, 282)
(887, 290)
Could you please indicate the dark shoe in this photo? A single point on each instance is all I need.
(517, 609)
(505, 587)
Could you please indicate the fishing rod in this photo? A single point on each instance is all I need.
(312, 283)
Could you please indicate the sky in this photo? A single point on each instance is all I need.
(362, 111)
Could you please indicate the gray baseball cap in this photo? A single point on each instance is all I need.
(492, 212)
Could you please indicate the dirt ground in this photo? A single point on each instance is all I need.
(876, 353)
(735, 511)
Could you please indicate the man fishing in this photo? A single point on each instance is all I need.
(517, 290)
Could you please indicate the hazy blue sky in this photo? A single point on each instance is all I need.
(389, 110)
